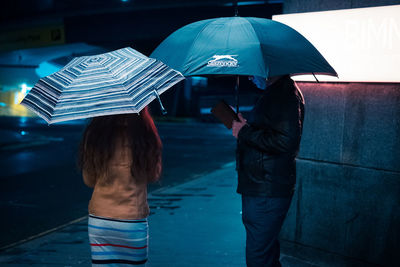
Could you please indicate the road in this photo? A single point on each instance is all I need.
(41, 187)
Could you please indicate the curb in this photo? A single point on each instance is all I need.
(43, 233)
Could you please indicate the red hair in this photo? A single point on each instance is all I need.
(100, 139)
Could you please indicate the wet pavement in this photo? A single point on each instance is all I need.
(39, 172)
(197, 223)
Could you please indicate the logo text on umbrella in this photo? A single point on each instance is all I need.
(223, 61)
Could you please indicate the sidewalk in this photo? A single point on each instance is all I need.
(193, 224)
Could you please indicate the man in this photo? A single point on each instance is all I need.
(265, 161)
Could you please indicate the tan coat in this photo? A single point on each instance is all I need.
(123, 198)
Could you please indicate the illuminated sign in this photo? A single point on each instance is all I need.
(362, 44)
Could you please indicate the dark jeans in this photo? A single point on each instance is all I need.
(263, 218)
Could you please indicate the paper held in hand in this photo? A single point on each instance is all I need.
(223, 112)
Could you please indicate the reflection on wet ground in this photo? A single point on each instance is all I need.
(169, 201)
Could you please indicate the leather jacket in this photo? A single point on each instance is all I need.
(124, 197)
(268, 145)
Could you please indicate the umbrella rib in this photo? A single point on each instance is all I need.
(229, 33)
(36, 109)
(194, 41)
(158, 66)
(258, 38)
(110, 73)
(95, 109)
(99, 112)
(41, 100)
(156, 82)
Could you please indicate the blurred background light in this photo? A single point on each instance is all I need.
(46, 68)
(19, 95)
(199, 81)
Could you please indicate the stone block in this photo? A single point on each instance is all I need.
(352, 123)
(323, 123)
(348, 210)
(371, 136)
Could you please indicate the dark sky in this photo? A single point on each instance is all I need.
(114, 23)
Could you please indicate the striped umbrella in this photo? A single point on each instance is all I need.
(121, 81)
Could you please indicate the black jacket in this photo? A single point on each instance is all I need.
(268, 145)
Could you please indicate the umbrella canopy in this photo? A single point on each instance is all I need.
(240, 46)
(122, 81)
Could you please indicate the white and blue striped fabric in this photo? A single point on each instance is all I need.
(118, 82)
(115, 242)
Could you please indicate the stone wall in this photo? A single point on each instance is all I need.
(348, 188)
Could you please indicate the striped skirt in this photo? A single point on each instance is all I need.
(117, 242)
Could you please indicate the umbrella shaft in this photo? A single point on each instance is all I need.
(237, 94)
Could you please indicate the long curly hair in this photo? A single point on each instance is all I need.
(138, 131)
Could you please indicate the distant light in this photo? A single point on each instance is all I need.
(199, 81)
(22, 93)
(2, 104)
(22, 120)
(45, 68)
(250, 3)
(361, 44)
(24, 88)
(241, 109)
(124, 1)
(23, 133)
(17, 98)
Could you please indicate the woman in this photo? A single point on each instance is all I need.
(119, 156)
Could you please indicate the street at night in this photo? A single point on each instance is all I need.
(278, 137)
(41, 187)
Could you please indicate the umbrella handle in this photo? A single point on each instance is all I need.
(163, 110)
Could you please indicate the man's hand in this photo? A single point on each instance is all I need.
(237, 125)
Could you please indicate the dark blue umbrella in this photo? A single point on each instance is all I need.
(240, 46)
